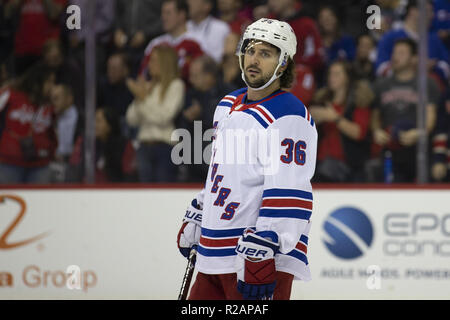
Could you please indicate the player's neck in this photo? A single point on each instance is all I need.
(256, 95)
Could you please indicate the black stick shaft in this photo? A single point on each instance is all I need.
(188, 275)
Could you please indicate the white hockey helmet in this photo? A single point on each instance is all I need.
(278, 34)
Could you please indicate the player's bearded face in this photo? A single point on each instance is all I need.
(260, 61)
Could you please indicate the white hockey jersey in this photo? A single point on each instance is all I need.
(263, 158)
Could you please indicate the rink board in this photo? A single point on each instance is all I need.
(121, 244)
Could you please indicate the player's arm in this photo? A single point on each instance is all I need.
(286, 204)
(189, 234)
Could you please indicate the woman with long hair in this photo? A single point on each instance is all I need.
(337, 44)
(341, 110)
(155, 106)
(27, 136)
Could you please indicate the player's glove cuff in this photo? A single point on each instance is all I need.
(255, 264)
(193, 213)
(190, 231)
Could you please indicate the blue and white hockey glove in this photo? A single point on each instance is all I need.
(190, 231)
(256, 264)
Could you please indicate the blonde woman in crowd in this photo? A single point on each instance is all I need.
(156, 104)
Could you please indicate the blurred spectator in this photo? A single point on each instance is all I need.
(342, 113)
(136, 23)
(337, 44)
(437, 53)
(65, 69)
(230, 63)
(363, 65)
(27, 136)
(309, 43)
(392, 12)
(66, 118)
(114, 154)
(441, 21)
(174, 15)
(104, 13)
(260, 10)
(210, 31)
(206, 92)
(66, 123)
(113, 91)
(207, 88)
(395, 110)
(440, 170)
(304, 85)
(229, 13)
(104, 18)
(153, 111)
(37, 21)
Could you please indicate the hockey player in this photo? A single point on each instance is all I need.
(251, 221)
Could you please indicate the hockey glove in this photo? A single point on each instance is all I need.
(189, 234)
(256, 264)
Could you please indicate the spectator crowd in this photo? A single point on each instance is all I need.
(163, 65)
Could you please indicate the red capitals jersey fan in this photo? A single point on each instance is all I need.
(186, 46)
(20, 119)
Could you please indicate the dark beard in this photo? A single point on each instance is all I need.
(256, 83)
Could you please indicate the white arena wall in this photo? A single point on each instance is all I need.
(120, 243)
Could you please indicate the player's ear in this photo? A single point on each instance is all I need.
(282, 68)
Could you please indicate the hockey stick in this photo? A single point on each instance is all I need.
(188, 274)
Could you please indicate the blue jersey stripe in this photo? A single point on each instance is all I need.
(298, 255)
(287, 193)
(257, 117)
(285, 213)
(216, 252)
(219, 233)
(304, 239)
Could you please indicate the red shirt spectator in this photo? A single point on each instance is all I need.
(37, 24)
(229, 12)
(331, 141)
(310, 51)
(304, 84)
(342, 115)
(20, 119)
(239, 25)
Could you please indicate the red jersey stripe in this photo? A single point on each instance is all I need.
(300, 246)
(217, 243)
(263, 113)
(287, 203)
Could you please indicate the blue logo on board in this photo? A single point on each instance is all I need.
(348, 233)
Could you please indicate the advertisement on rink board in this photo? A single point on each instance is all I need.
(120, 244)
(379, 244)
